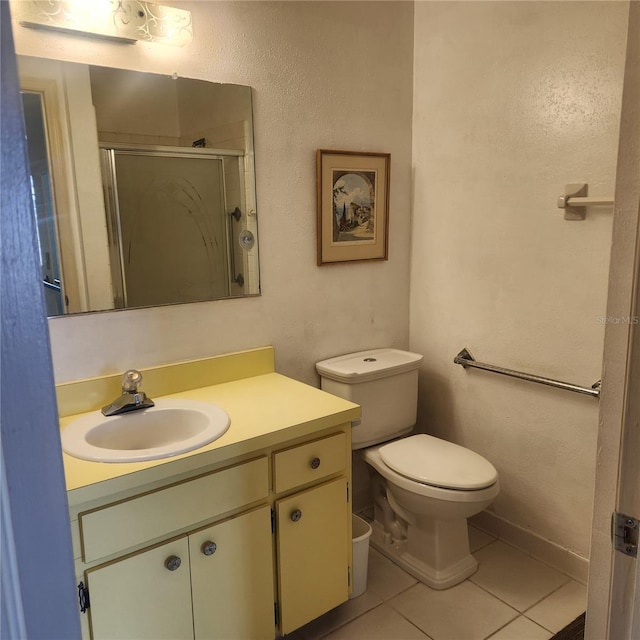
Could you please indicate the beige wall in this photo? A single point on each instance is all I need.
(325, 75)
(511, 101)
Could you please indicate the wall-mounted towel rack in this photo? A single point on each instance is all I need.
(465, 359)
(575, 200)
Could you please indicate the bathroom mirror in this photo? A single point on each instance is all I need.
(143, 186)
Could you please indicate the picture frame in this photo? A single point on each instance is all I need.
(353, 206)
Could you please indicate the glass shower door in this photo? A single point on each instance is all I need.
(172, 227)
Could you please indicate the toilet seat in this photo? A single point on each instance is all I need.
(372, 457)
(438, 463)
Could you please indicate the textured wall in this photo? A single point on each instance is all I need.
(325, 75)
(510, 103)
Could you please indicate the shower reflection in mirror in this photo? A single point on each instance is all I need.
(169, 233)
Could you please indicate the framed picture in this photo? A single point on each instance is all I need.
(353, 206)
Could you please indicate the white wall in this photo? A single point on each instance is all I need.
(511, 101)
(325, 75)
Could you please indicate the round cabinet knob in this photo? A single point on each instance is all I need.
(172, 563)
(296, 515)
(209, 548)
(315, 463)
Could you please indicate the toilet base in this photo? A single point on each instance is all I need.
(397, 552)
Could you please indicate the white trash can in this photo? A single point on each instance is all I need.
(360, 532)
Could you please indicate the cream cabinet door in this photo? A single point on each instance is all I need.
(232, 579)
(313, 530)
(145, 596)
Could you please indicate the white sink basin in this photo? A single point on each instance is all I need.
(170, 428)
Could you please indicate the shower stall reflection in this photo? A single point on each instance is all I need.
(171, 236)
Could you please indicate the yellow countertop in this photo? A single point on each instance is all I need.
(264, 410)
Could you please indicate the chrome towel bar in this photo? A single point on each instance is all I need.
(465, 359)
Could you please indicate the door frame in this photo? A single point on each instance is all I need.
(613, 609)
(68, 232)
(38, 595)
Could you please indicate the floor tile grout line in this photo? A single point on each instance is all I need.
(518, 614)
(536, 558)
(493, 633)
(395, 595)
(491, 537)
(426, 635)
(344, 624)
(537, 603)
(564, 584)
(483, 546)
(541, 625)
(567, 577)
(493, 595)
(364, 613)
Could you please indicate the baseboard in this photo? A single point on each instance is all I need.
(541, 549)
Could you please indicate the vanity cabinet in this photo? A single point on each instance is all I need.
(313, 529)
(211, 581)
(248, 548)
(216, 583)
(247, 538)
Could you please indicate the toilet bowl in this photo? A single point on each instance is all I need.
(424, 488)
(421, 518)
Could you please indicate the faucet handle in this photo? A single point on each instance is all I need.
(131, 380)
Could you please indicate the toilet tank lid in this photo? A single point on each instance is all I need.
(438, 463)
(364, 366)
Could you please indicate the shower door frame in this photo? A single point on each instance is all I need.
(107, 152)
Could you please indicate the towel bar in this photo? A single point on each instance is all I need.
(465, 359)
(575, 200)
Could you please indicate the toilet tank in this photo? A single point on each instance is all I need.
(384, 382)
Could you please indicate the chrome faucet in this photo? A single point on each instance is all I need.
(132, 398)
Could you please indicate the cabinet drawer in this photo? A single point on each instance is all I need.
(309, 462)
(125, 524)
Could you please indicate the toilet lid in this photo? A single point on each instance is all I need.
(438, 463)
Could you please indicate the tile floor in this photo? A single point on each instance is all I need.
(511, 597)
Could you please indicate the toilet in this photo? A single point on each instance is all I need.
(424, 488)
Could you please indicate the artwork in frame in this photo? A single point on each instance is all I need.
(353, 206)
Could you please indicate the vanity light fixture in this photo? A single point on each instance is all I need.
(126, 21)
